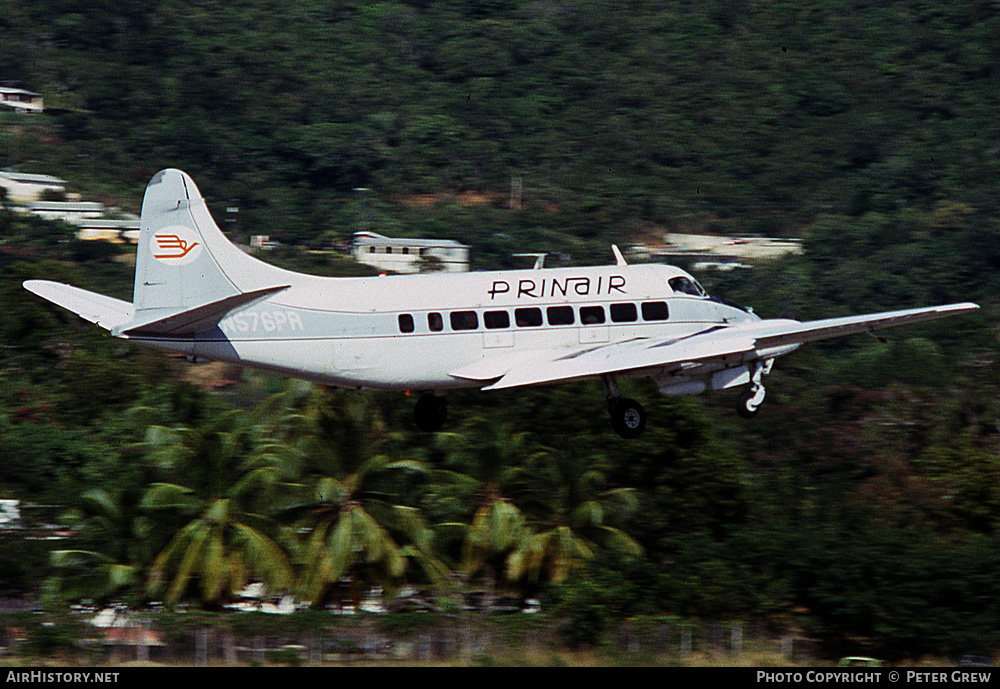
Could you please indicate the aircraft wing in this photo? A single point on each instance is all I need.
(726, 345)
(106, 312)
(811, 331)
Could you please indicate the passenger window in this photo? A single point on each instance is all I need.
(496, 319)
(560, 315)
(591, 315)
(435, 322)
(528, 318)
(624, 313)
(464, 320)
(655, 311)
(405, 323)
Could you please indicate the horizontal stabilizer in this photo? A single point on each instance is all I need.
(199, 318)
(106, 312)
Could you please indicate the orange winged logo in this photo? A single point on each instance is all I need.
(172, 246)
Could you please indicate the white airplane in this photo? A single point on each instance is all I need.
(198, 294)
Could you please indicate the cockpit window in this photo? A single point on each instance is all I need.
(682, 285)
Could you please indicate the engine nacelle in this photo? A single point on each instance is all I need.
(680, 386)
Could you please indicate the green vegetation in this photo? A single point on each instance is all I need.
(862, 506)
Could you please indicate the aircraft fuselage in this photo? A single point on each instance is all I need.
(412, 332)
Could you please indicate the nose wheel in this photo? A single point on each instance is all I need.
(749, 402)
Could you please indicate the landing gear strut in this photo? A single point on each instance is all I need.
(628, 418)
(430, 412)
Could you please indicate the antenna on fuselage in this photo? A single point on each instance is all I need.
(539, 259)
(619, 259)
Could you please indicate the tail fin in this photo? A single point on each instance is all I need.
(188, 276)
(184, 261)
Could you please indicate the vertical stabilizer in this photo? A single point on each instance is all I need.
(183, 259)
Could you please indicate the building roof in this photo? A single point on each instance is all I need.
(13, 91)
(107, 223)
(369, 238)
(67, 206)
(28, 178)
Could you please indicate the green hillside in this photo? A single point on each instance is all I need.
(861, 507)
(747, 116)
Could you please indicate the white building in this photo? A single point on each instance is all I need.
(25, 188)
(21, 100)
(10, 514)
(410, 255)
(67, 211)
(723, 252)
(114, 230)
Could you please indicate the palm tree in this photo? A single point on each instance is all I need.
(222, 552)
(351, 534)
(543, 512)
(482, 463)
(497, 540)
(224, 545)
(344, 501)
(113, 528)
(584, 502)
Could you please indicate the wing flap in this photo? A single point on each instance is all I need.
(107, 312)
(494, 364)
(636, 356)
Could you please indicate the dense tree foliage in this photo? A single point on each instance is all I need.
(861, 506)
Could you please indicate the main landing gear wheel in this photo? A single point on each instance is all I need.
(628, 418)
(430, 412)
(749, 402)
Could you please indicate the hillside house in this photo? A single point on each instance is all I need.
(114, 230)
(704, 252)
(20, 100)
(27, 188)
(410, 255)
